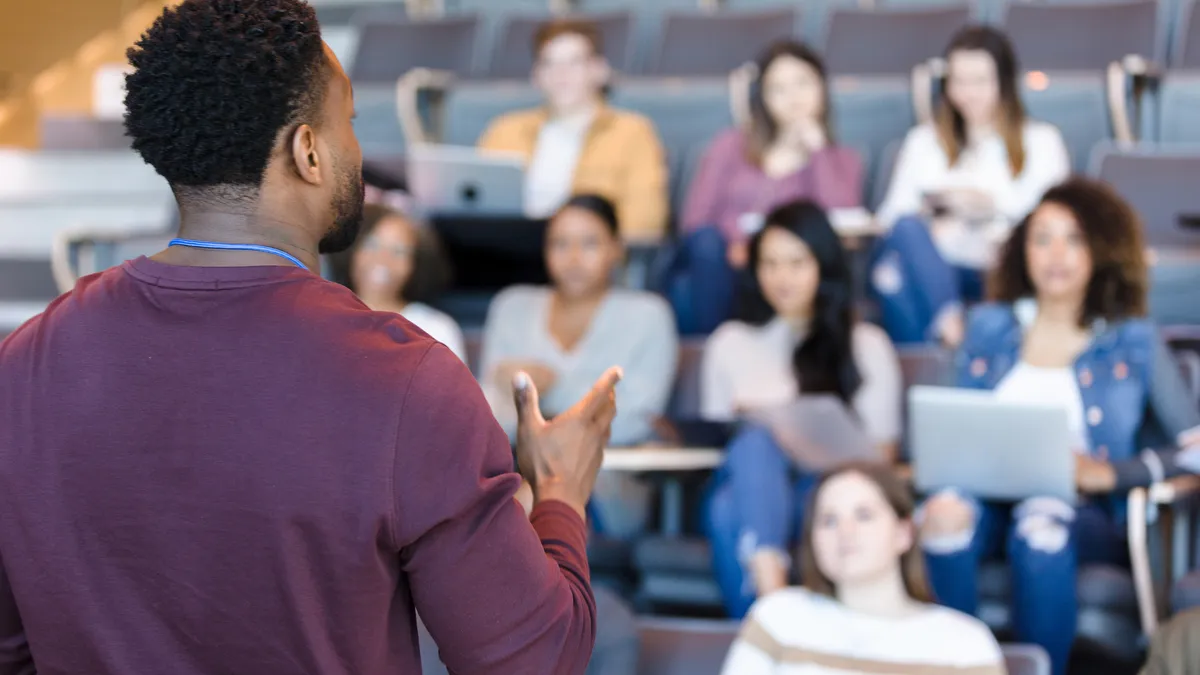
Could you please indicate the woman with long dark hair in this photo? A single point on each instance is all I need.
(797, 335)
(960, 184)
(787, 151)
(865, 605)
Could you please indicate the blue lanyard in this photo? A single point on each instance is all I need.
(216, 245)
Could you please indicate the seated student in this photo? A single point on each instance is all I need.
(1068, 328)
(576, 144)
(798, 333)
(958, 186)
(567, 335)
(865, 606)
(787, 152)
(394, 266)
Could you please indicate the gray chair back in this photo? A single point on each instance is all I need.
(1178, 101)
(1025, 660)
(899, 38)
(1187, 36)
(694, 44)
(1160, 184)
(684, 646)
(1107, 32)
(470, 106)
(389, 48)
(869, 113)
(512, 54)
(685, 112)
(377, 123)
(685, 399)
(81, 132)
(1074, 102)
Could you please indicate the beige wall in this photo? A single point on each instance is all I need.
(42, 39)
(36, 33)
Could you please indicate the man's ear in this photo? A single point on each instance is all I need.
(305, 157)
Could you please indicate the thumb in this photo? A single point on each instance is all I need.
(525, 395)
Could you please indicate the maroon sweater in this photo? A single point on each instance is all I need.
(243, 470)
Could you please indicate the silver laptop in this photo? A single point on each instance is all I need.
(456, 180)
(989, 448)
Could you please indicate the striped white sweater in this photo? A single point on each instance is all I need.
(796, 632)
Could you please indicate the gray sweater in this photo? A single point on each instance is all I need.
(631, 329)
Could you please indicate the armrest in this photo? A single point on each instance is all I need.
(1142, 504)
(1174, 490)
(408, 94)
(1139, 74)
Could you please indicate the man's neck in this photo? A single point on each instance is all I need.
(240, 228)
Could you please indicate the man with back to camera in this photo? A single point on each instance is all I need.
(213, 461)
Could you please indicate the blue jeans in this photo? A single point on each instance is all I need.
(701, 284)
(757, 501)
(1045, 541)
(913, 283)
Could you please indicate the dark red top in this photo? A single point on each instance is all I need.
(243, 470)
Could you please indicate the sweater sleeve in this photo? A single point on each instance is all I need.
(497, 595)
(1174, 407)
(838, 178)
(878, 400)
(704, 196)
(904, 192)
(716, 390)
(643, 393)
(502, 341)
(642, 203)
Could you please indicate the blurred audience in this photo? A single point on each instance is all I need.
(577, 144)
(566, 335)
(958, 186)
(865, 606)
(398, 266)
(797, 333)
(786, 152)
(1067, 328)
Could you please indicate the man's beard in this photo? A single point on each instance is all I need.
(347, 213)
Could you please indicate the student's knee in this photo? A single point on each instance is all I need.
(706, 243)
(948, 522)
(753, 444)
(907, 228)
(1041, 525)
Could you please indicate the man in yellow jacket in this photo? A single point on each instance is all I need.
(577, 144)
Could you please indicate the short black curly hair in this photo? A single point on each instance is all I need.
(214, 83)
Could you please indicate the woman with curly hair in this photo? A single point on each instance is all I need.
(1067, 327)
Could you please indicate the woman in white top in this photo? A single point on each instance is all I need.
(394, 266)
(798, 334)
(959, 186)
(865, 606)
(566, 335)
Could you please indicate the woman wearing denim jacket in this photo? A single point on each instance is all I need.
(1069, 328)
